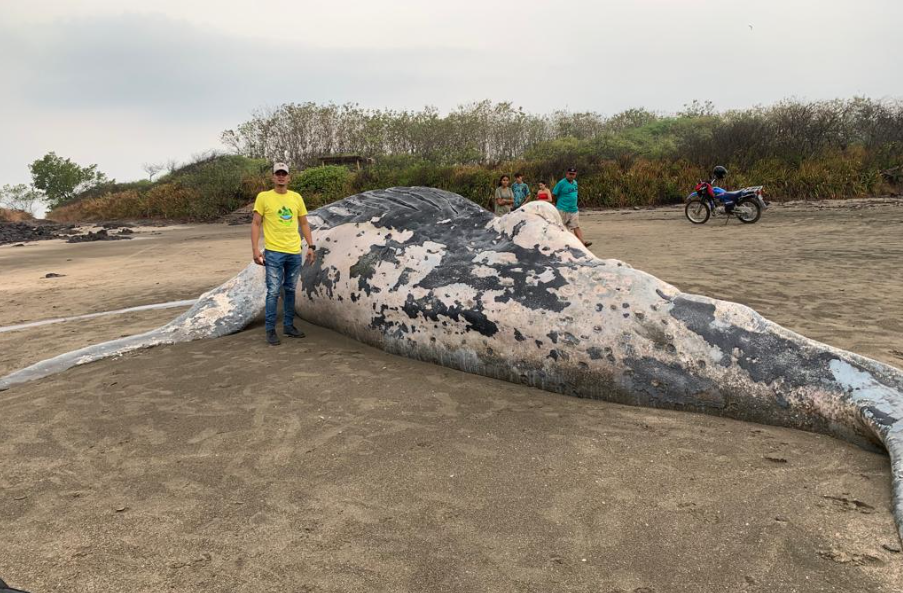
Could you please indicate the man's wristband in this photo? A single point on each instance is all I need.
(312, 247)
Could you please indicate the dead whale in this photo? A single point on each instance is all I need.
(429, 275)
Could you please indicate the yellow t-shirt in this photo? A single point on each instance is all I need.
(280, 214)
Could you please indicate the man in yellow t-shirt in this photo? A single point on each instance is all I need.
(282, 213)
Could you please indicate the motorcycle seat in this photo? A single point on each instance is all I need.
(730, 195)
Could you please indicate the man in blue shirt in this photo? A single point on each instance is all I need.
(565, 194)
(521, 190)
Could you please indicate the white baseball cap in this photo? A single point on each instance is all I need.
(280, 167)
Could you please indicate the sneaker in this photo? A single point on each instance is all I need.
(587, 243)
(272, 338)
(293, 332)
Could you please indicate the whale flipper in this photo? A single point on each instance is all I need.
(224, 310)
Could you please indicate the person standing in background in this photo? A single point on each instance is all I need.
(565, 192)
(503, 197)
(543, 195)
(521, 190)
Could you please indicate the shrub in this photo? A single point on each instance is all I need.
(323, 184)
(203, 190)
(11, 215)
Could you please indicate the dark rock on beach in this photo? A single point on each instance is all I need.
(101, 235)
(18, 232)
(39, 230)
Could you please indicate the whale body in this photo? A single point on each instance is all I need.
(430, 275)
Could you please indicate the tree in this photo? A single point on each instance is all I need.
(698, 109)
(152, 169)
(61, 179)
(22, 197)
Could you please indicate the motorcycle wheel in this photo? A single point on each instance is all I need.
(748, 210)
(697, 211)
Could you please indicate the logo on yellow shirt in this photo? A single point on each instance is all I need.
(285, 215)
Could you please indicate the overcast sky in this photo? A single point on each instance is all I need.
(121, 83)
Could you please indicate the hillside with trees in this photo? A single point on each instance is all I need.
(798, 150)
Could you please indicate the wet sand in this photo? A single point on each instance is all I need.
(326, 465)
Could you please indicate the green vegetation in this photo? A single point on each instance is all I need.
(322, 185)
(203, 190)
(830, 149)
(61, 180)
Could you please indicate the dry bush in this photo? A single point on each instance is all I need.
(10, 215)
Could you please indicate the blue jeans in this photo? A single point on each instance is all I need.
(282, 273)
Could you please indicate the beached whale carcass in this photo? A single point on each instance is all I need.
(430, 275)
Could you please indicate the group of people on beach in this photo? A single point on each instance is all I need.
(563, 196)
(281, 216)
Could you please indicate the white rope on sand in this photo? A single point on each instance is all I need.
(169, 305)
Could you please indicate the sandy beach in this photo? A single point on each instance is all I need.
(326, 465)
